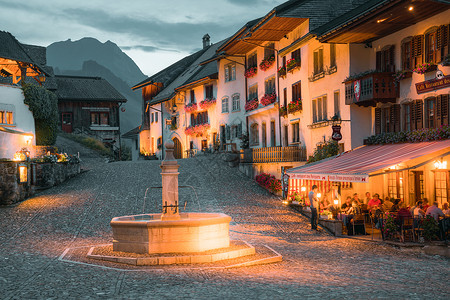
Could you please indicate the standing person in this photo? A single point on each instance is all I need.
(368, 198)
(314, 207)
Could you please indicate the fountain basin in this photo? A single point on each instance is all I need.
(192, 232)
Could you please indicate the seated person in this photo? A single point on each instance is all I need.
(354, 210)
(348, 203)
(387, 205)
(356, 198)
(435, 211)
(375, 202)
(425, 204)
(325, 204)
(445, 209)
(367, 198)
(418, 212)
(396, 206)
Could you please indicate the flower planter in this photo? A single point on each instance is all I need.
(251, 105)
(250, 72)
(425, 68)
(267, 63)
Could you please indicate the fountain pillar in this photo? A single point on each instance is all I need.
(169, 175)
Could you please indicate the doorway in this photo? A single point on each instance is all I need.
(66, 124)
(418, 185)
(177, 151)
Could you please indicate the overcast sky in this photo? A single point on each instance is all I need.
(154, 33)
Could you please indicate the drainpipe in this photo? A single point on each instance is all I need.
(162, 131)
(246, 98)
(279, 100)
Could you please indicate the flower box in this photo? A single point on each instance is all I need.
(425, 68)
(207, 103)
(282, 71)
(292, 64)
(252, 104)
(267, 63)
(268, 99)
(295, 106)
(283, 111)
(190, 107)
(250, 72)
(197, 130)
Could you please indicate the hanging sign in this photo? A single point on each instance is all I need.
(357, 89)
(336, 135)
(430, 85)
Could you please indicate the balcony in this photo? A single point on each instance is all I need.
(373, 88)
(274, 154)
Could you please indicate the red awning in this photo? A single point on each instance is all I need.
(358, 164)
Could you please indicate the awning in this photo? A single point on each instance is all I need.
(357, 165)
(9, 130)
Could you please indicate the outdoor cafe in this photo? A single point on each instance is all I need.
(376, 190)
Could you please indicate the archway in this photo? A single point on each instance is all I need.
(178, 149)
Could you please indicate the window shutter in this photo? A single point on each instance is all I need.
(391, 60)
(325, 112)
(439, 111)
(227, 133)
(378, 61)
(395, 118)
(239, 130)
(377, 120)
(233, 72)
(412, 114)
(417, 47)
(445, 108)
(419, 114)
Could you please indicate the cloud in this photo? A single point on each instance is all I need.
(147, 48)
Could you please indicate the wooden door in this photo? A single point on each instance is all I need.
(418, 185)
(177, 148)
(66, 122)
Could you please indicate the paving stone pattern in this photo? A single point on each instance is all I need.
(77, 213)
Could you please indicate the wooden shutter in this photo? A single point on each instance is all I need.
(419, 114)
(378, 61)
(227, 132)
(442, 110)
(377, 120)
(391, 59)
(239, 130)
(417, 49)
(395, 118)
(413, 115)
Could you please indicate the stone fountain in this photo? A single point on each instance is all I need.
(170, 231)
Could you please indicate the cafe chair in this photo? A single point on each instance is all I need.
(407, 228)
(358, 225)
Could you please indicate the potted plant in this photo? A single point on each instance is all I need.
(295, 105)
(291, 65)
(267, 63)
(252, 104)
(283, 111)
(205, 104)
(282, 71)
(268, 99)
(250, 72)
(402, 74)
(190, 107)
(425, 68)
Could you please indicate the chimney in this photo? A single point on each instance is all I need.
(206, 42)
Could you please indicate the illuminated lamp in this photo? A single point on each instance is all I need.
(440, 164)
(23, 174)
(19, 156)
(28, 139)
(336, 201)
(319, 195)
(303, 189)
(41, 78)
(411, 8)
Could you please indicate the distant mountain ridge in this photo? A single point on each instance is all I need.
(89, 57)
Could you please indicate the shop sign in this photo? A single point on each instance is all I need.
(430, 85)
(332, 177)
(357, 89)
(336, 135)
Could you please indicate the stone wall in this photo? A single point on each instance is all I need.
(39, 175)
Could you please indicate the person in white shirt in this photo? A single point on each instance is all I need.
(418, 212)
(435, 211)
(314, 207)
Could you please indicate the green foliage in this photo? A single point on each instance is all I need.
(245, 142)
(419, 135)
(126, 152)
(330, 149)
(44, 106)
(90, 143)
(430, 228)
(389, 226)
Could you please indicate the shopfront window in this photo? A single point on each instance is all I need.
(395, 185)
(441, 183)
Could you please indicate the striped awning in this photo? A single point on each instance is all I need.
(357, 165)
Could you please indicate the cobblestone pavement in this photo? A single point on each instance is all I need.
(76, 213)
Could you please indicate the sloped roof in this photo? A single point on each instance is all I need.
(132, 133)
(169, 74)
(78, 88)
(37, 53)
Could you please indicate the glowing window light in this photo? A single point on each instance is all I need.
(336, 201)
(303, 189)
(23, 174)
(440, 165)
(319, 195)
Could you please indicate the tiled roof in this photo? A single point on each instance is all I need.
(37, 53)
(77, 88)
(170, 73)
(132, 133)
(50, 81)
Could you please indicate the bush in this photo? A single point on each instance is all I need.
(330, 149)
(44, 106)
(269, 182)
(415, 136)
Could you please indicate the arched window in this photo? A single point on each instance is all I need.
(431, 49)
(236, 102)
(225, 105)
(407, 54)
(254, 134)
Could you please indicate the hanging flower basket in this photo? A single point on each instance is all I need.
(268, 99)
(252, 104)
(190, 107)
(282, 71)
(283, 111)
(197, 130)
(207, 103)
(425, 68)
(250, 72)
(267, 63)
(291, 65)
(294, 106)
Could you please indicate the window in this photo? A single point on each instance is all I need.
(192, 94)
(254, 134)
(407, 55)
(337, 109)
(99, 118)
(152, 118)
(156, 117)
(332, 55)
(230, 72)
(386, 119)
(431, 47)
(225, 105)
(253, 92)
(297, 56)
(199, 118)
(252, 61)
(209, 94)
(296, 132)
(236, 105)
(395, 185)
(407, 117)
(272, 134)
(442, 110)
(417, 49)
(390, 118)
(286, 136)
(413, 115)
(264, 134)
(269, 50)
(314, 110)
(296, 91)
(319, 109)
(285, 97)
(430, 112)
(385, 59)
(318, 61)
(441, 183)
(269, 85)
(283, 61)
(7, 114)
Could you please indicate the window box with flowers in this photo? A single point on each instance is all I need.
(267, 63)
(268, 99)
(250, 72)
(291, 65)
(282, 71)
(425, 68)
(190, 107)
(283, 111)
(197, 130)
(295, 105)
(207, 103)
(402, 74)
(252, 104)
